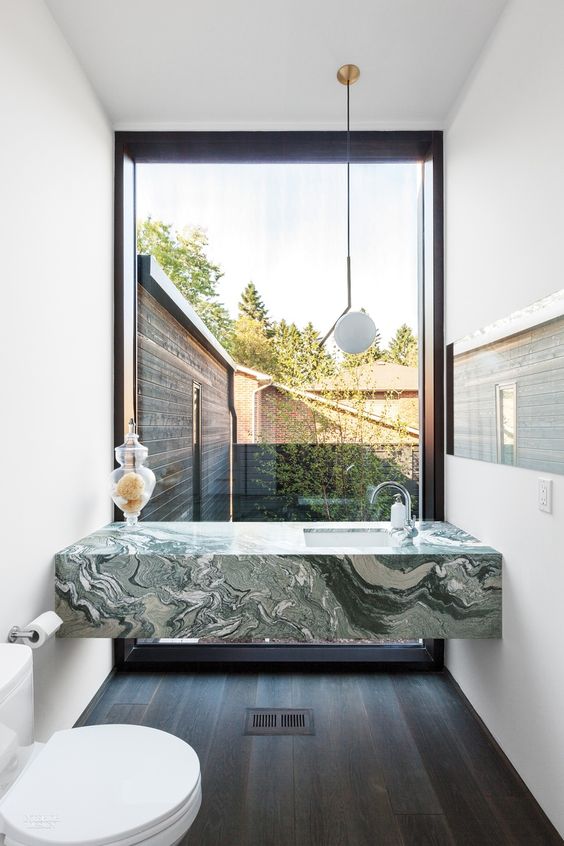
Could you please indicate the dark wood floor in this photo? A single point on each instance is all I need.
(396, 760)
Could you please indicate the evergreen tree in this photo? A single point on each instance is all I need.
(286, 339)
(315, 361)
(182, 256)
(403, 347)
(251, 305)
(300, 358)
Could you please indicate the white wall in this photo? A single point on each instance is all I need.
(56, 345)
(504, 240)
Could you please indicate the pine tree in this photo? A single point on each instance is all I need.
(315, 361)
(251, 305)
(403, 347)
(300, 358)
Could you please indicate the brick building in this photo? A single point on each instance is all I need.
(378, 404)
(388, 390)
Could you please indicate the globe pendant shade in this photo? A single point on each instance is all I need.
(355, 332)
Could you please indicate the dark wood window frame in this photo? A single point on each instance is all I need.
(426, 147)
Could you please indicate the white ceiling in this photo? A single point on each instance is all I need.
(267, 64)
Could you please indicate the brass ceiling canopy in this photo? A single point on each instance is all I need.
(348, 74)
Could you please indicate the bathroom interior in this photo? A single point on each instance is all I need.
(283, 423)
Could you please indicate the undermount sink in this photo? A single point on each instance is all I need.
(336, 538)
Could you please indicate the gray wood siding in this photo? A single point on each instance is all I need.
(534, 360)
(169, 360)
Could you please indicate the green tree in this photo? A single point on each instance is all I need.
(182, 256)
(300, 358)
(251, 346)
(251, 305)
(251, 342)
(403, 347)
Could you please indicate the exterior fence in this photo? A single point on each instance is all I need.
(318, 481)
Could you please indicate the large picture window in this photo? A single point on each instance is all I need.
(257, 251)
(242, 271)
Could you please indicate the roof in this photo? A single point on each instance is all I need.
(254, 374)
(343, 407)
(378, 376)
(152, 277)
(331, 403)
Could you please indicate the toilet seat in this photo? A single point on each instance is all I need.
(110, 785)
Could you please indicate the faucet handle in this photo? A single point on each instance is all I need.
(412, 530)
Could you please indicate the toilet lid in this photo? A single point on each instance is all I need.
(98, 784)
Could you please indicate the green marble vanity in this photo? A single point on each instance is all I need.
(288, 582)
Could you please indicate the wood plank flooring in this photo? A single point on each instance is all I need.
(396, 760)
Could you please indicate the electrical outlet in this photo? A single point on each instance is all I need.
(545, 495)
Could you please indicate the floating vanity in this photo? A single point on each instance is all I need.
(297, 582)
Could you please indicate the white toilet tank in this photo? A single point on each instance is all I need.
(16, 690)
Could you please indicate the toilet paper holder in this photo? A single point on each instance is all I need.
(16, 633)
(37, 631)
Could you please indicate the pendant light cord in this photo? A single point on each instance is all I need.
(349, 286)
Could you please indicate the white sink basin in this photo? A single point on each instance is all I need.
(338, 538)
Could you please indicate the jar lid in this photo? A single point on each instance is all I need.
(131, 451)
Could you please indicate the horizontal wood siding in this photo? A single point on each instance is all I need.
(534, 361)
(169, 361)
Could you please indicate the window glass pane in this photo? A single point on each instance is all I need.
(259, 251)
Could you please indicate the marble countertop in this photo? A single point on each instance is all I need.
(434, 538)
(248, 582)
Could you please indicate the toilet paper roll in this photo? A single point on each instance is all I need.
(43, 628)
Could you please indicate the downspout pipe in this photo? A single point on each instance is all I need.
(254, 409)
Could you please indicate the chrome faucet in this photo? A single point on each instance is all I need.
(409, 528)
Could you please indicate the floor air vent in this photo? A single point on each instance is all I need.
(279, 721)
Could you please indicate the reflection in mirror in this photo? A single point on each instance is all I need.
(506, 421)
(506, 389)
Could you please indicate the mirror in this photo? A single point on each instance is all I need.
(505, 389)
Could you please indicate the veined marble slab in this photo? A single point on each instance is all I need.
(249, 581)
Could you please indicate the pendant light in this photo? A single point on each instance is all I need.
(353, 331)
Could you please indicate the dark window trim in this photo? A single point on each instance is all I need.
(255, 147)
(131, 656)
(261, 147)
(449, 399)
(125, 296)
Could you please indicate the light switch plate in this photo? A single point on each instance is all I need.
(545, 495)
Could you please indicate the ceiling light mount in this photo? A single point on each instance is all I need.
(348, 74)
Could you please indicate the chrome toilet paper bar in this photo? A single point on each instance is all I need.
(38, 631)
(16, 633)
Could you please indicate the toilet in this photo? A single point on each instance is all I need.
(108, 785)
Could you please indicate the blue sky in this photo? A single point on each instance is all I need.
(283, 226)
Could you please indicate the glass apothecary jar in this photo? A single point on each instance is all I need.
(131, 484)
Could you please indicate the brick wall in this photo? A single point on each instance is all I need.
(245, 386)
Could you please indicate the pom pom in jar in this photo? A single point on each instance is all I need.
(131, 484)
